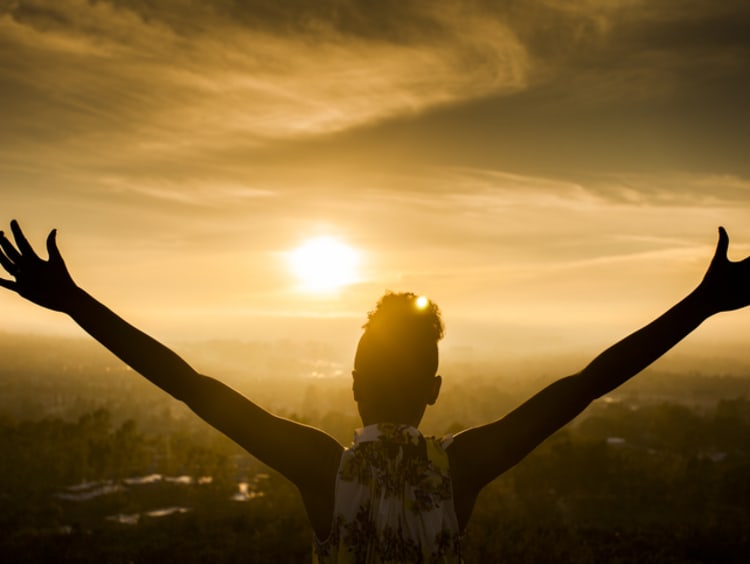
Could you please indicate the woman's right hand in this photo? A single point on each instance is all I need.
(44, 282)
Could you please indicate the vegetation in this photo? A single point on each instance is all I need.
(640, 477)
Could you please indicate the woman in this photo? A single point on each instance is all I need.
(394, 496)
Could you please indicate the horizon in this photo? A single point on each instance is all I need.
(550, 191)
(236, 358)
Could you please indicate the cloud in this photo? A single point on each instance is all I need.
(634, 50)
(491, 228)
(190, 104)
(124, 82)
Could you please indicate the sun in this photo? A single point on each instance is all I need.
(324, 264)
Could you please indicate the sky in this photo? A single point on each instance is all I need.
(551, 173)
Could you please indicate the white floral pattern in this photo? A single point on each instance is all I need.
(394, 501)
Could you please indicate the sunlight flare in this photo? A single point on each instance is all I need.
(324, 264)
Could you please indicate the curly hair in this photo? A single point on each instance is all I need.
(399, 342)
(406, 312)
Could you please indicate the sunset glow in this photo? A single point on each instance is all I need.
(233, 232)
(323, 264)
(561, 187)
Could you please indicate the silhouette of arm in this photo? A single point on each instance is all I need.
(307, 456)
(480, 454)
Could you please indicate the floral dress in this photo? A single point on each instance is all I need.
(394, 501)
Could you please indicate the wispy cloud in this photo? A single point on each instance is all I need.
(104, 78)
(127, 84)
(470, 148)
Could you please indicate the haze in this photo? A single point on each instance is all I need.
(551, 173)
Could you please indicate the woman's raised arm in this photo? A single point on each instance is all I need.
(482, 453)
(307, 456)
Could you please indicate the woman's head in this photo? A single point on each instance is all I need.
(397, 357)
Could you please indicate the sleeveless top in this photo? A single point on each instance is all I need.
(393, 501)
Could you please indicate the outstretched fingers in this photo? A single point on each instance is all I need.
(6, 263)
(52, 250)
(8, 284)
(722, 246)
(23, 244)
(11, 255)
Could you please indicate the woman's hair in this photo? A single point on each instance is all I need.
(406, 312)
(400, 337)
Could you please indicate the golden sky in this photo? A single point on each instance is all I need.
(550, 172)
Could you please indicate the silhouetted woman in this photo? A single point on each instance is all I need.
(394, 495)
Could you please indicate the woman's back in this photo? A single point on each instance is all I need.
(393, 501)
